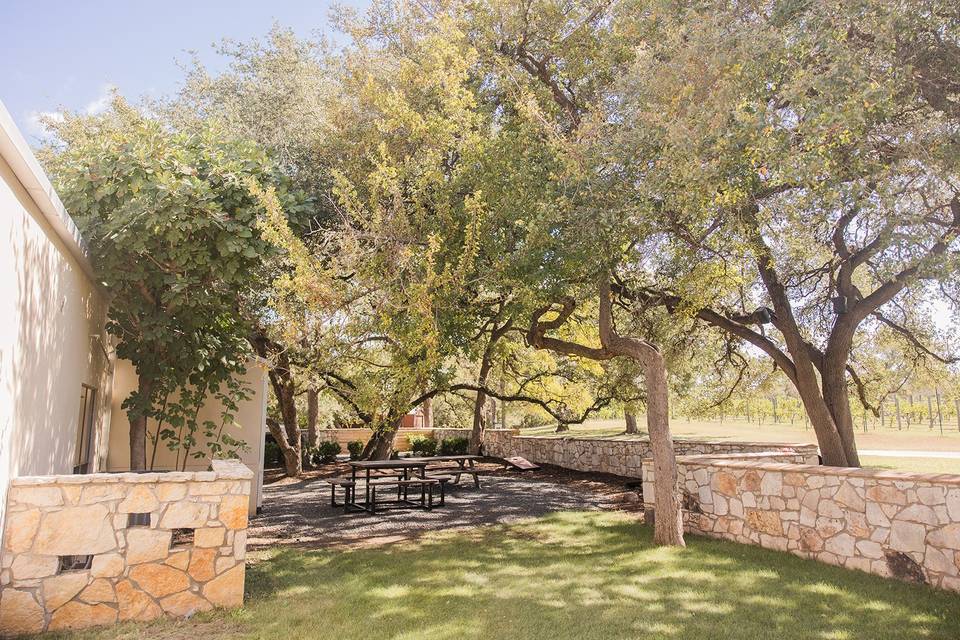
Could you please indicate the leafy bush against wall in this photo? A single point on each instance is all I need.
(423, 445)
(454, 446)
(355, 447)
(327, 452)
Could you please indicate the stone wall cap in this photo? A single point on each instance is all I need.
(222, 470)
(845, 472)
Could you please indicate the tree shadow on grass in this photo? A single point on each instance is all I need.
(585, 576)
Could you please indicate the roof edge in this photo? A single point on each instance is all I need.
(16, 152)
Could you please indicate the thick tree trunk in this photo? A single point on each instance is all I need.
(428, 413)
(313, 415)
(380, 444)
(479, 422)
(292, 461)
(137, 416)
(668, 524)
(631, 421)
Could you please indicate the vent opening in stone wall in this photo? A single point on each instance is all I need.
(181, 538)
(74, 563)
(138, 520)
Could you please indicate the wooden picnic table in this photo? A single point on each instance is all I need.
(403, 466)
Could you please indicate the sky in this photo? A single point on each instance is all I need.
(69, 54)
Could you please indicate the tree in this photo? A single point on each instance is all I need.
(274, 93)
(172, 228)
(804, 186)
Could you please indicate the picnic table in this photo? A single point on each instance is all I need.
(404, 474)
(403, 469)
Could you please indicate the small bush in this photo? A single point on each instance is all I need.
(454, 446)
(355, 447)
(272, 456)
(327, 452)
(423, 445)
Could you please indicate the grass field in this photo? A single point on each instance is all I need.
(583, 576)
(917, 438)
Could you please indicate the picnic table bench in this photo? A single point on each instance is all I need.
(405, 474)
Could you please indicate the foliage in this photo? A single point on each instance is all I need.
(423, 445)
(453, 446)
(327, 452)
(172, 227)
(355, 447)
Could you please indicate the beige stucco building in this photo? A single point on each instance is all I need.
(60, 385)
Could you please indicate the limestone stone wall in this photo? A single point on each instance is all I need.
(903, 525)
(620, 456)
(138, 570)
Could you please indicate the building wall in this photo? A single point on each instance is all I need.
(901, 525)
(52, 339)
(137, 570)
(250, 426)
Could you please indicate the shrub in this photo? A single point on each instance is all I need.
(327, 452)
(355, 447)
(423, 445)
(454, 446)
(272, 456)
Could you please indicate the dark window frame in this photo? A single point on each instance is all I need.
(86, 429)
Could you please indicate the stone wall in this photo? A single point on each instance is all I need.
(137, 569)
(346, 436)
(620, 455)
(903, 525)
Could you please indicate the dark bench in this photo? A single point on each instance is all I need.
(348, 488)
(403, 486)
(455, 473)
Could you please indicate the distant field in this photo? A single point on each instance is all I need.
(918, 438)
(922, 465)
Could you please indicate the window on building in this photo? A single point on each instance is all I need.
(88, 400)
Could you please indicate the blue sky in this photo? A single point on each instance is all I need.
(58, 54)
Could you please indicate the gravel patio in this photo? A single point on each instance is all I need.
(298, 512)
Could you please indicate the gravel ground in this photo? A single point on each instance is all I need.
(298, 512)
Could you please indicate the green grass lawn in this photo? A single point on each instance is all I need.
(921, 465)
(584, 576)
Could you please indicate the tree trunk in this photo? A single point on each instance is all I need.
(380, 444)
(286, 435)
(486, 363)
(479, 420)
(428, 413)
(313, 414)
(631, 421)
(137, 416)
(668, 524)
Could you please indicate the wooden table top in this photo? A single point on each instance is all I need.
(387, 464)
